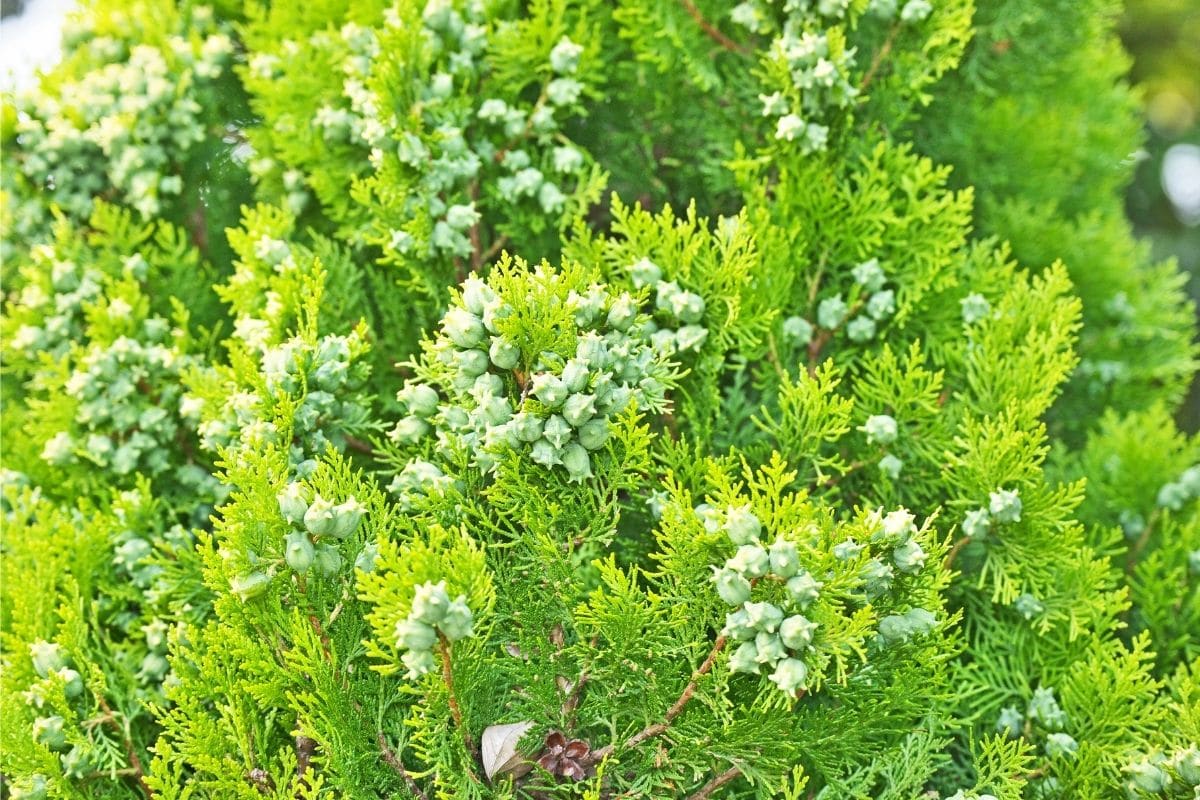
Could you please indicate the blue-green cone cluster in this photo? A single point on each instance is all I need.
(915, 622)
(868, 306)
(1042, 721)
(317, 525)
(31, 788)
(433, 615)
(807, 67)
(326, 376)
(556, 409)
(51, 312)
(418, 479)
(875, 303)
(123, 128)
(1003, 507)
(1173, 775)
(1028, 606)
(128, 397)
(894, 549)
(442, 148)
(57, 684)
(1178, 493)
(766, 638)
(975, 308)
(677, 314)
(120, 366)
(797, 331)
(774, 636)
(880, 429)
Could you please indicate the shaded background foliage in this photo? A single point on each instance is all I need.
(1163, 36)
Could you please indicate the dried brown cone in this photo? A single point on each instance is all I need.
(563, 757)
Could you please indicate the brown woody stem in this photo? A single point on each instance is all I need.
(716, 783)
(354, 443)
(452, 699)
(879, 57)
(713, 32)
(1131, 559)
(954, 551)
(392, 760)
(674, 711)
(135, 763)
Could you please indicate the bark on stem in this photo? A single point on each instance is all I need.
(879, 57)
(392, 760)
(674, 711)
(452, 699)
(716, 783)
(713, 32)
(135, 762)
(954, 551)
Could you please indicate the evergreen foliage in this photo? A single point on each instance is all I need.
(593, 399)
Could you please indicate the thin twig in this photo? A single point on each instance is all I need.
(455, 708)
(954, 551)
(130, 751)
(476, 247)
(713, 32)
(879, 57)
(494, 248)
(833, 480)
(571, 705)
(305, 748)
(1131, 558)
(773, 357)
(826, 335)
(322, 636)
(392, 760)
(814, 350)
(674, 711)
(354, 443)
(716, 783)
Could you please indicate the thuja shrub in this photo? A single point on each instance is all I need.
(591, 398)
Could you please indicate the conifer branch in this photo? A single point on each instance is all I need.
(151, 420)
(1131, 559)
(305, 748)
(135, 763)
(716, 783)
(880, 55)
(711, 30)
(953, 552)
(393, 760)
(455, 708)
(674, 711)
